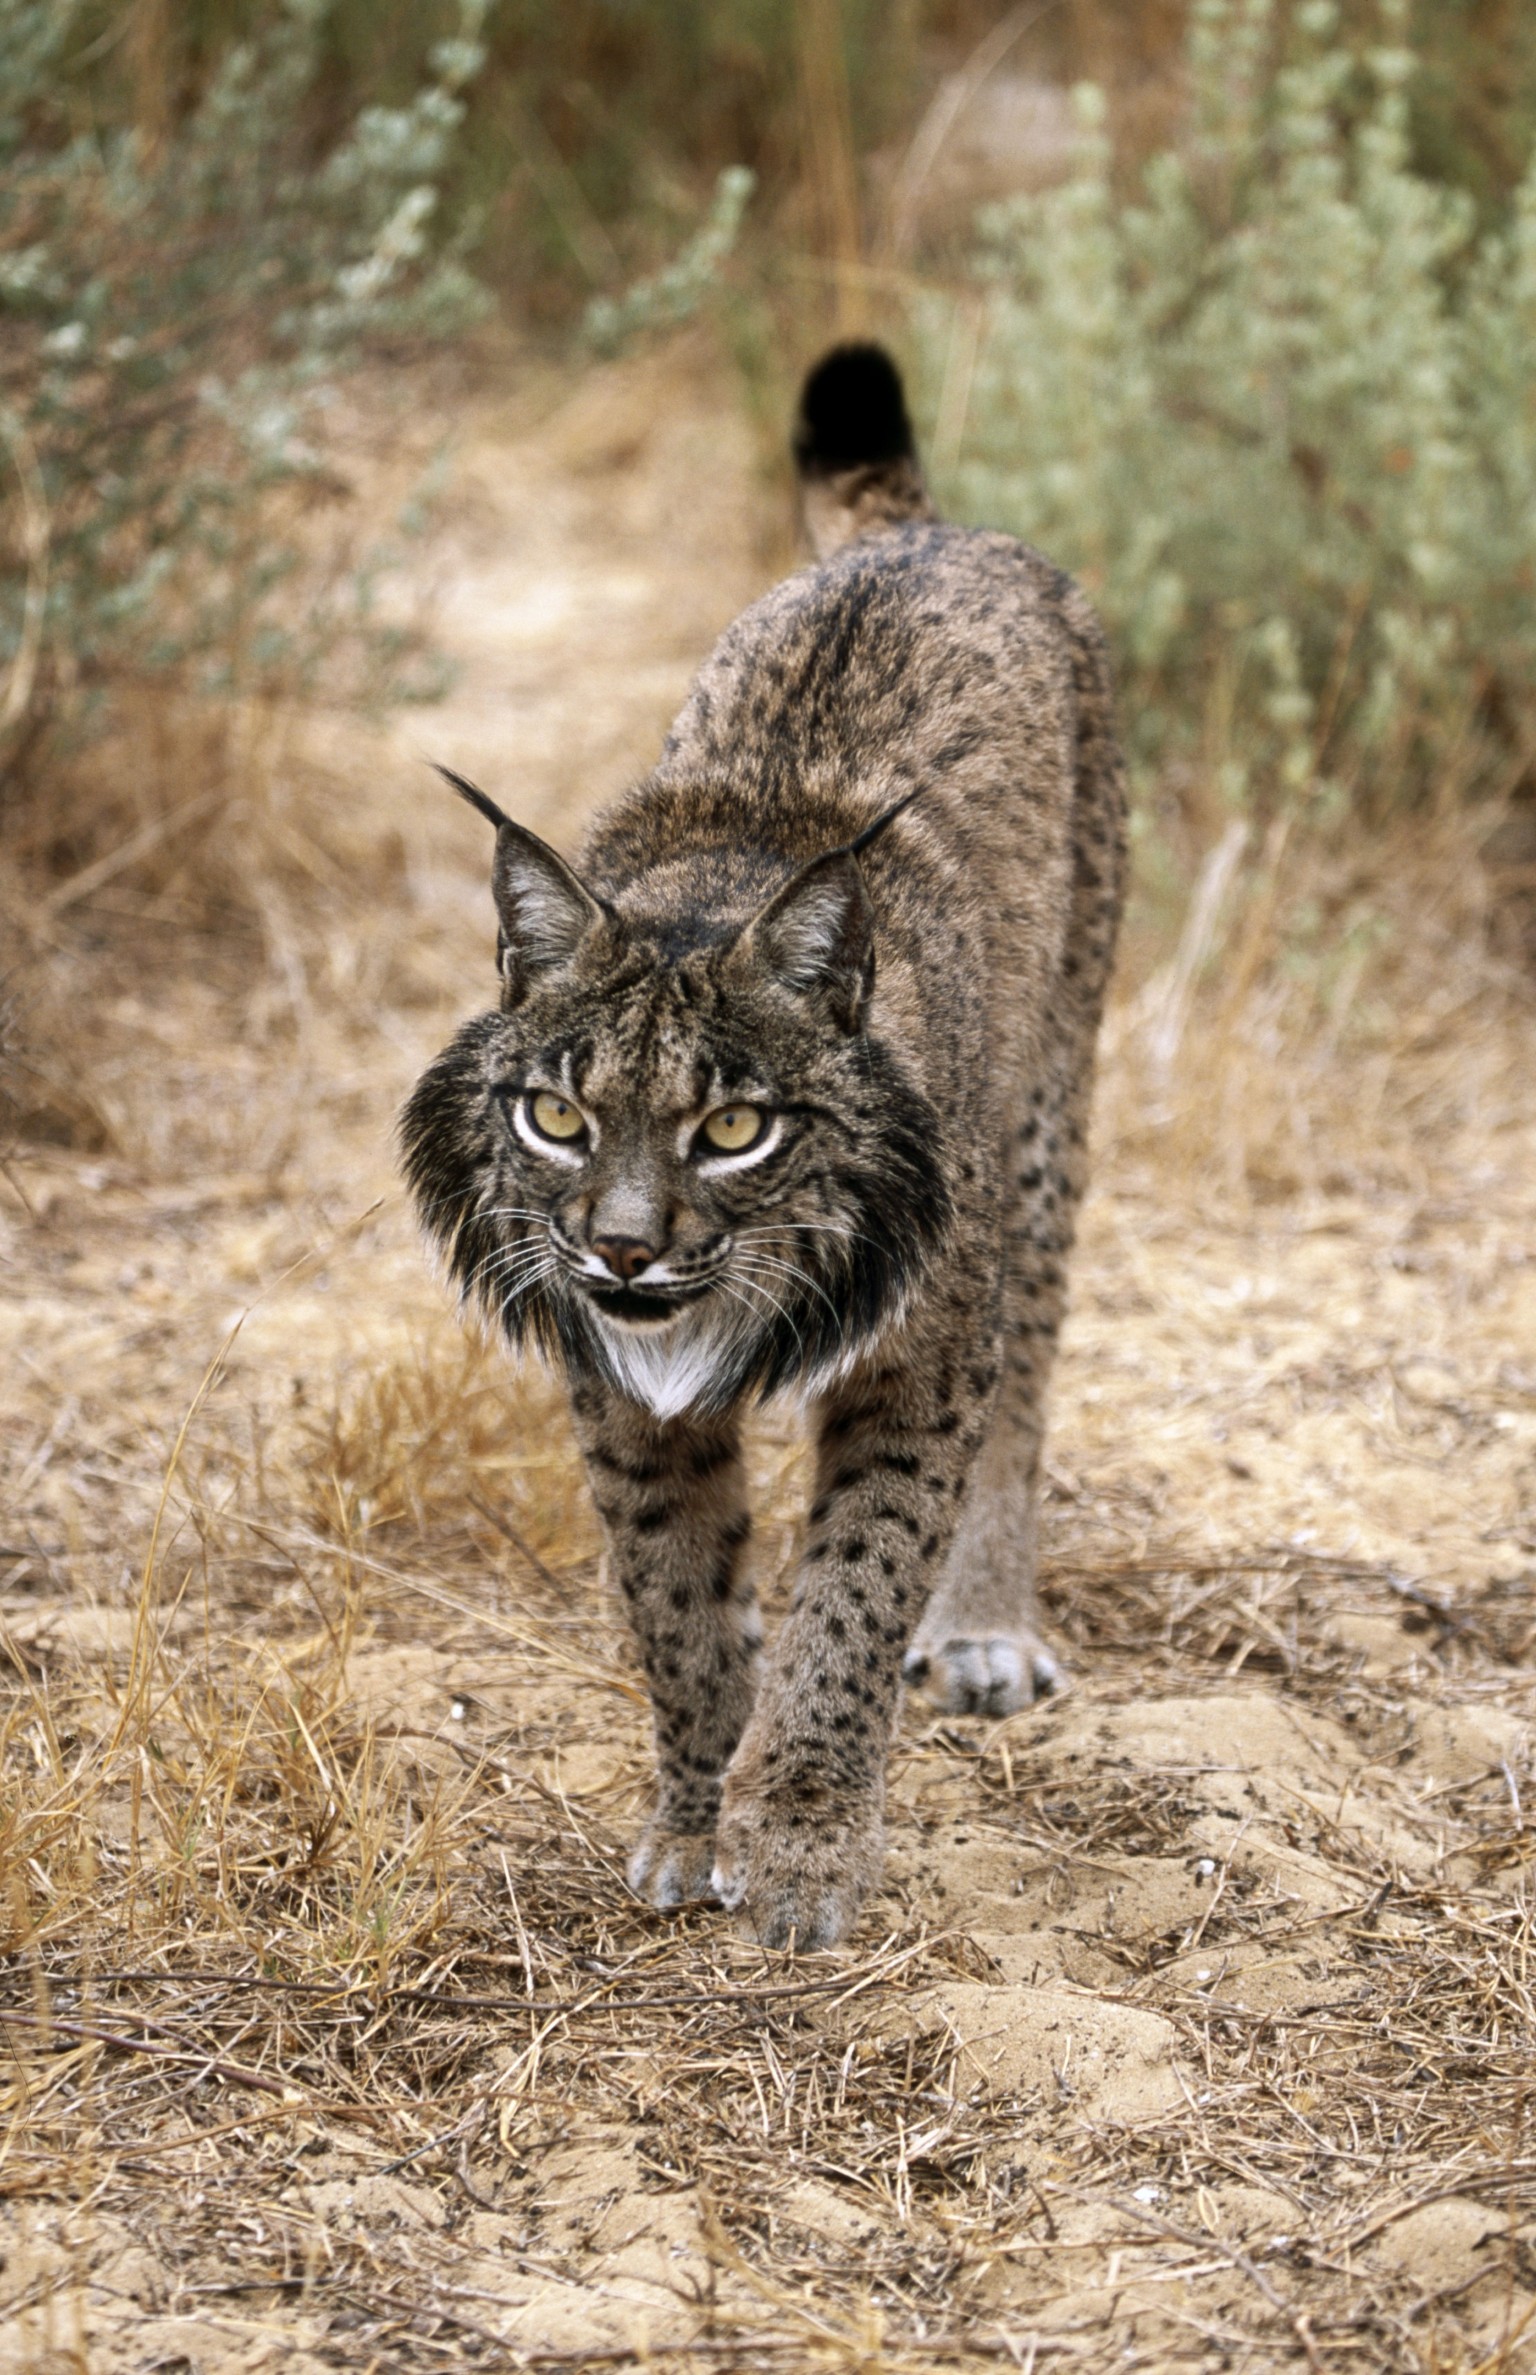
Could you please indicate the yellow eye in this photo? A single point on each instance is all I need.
(733, 1128)
(555, 1117)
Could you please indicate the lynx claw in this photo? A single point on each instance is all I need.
(672, 1868)
(995, 1674)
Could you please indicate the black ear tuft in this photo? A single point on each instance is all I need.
(852, 411)
(543, 910)
(861, 841)
(473, 794)
(816, 936)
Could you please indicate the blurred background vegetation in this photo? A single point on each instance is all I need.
(595, 130)
(1229, 304)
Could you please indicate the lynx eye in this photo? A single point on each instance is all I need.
(731, 1129)
(555, 1117)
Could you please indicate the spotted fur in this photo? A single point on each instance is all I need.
(916, 1019)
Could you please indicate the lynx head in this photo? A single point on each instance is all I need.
(676, 1157)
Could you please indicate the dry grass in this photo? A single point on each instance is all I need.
(1193, 2025)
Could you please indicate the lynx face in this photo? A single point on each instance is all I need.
(677, 1157)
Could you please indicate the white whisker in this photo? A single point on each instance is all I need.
(759, 1260)
(511, 1294)
(520, 1248)
(844, 1231)
(514, 1258)
(757, 1287)
(507, 1260)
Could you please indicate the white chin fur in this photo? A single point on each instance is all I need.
(668, 1369)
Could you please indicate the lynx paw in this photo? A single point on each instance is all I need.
(994, 1674)
(671, 1868)
(790, 1880)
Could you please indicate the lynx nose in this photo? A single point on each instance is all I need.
(626, 1257)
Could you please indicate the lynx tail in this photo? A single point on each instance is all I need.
(854, 450)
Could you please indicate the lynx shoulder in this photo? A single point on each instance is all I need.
(788, 1087)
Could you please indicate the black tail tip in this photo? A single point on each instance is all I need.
(852, 412)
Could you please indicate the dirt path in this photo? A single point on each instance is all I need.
(1192, 2026)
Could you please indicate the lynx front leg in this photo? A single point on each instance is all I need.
(802, 1823)
(672, 1498)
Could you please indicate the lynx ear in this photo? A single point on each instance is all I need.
(543, 912)
(817, 936)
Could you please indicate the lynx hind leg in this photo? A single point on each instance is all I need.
(979, 1648)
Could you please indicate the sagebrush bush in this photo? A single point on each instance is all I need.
(1276, 412)
(673, 295)
(176, 311)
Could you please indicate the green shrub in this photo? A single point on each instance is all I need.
(598, 127)
(176, 314)
(674, 294)
(1277, 413)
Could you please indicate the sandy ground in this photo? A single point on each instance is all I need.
(1191, 2026)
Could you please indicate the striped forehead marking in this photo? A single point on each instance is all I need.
(651, 1049)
